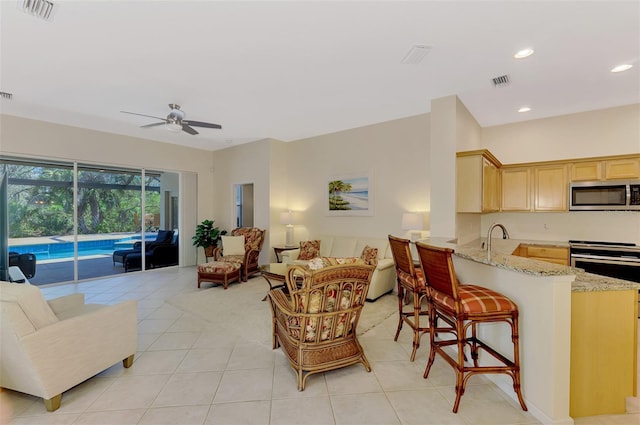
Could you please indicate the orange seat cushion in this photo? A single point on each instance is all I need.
(477, 299)
(408, 280)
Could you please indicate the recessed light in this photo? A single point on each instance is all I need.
(523, 53)
(622, 67)
(524, 109)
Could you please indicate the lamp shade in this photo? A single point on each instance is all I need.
(290, 217)
(286, 217)
(412, 221)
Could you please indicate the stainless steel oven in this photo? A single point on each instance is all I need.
(614, 259)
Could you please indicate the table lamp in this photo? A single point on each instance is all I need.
(288, 219)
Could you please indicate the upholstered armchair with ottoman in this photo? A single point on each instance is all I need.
(374, 251)
(242, 246)
(49, 347)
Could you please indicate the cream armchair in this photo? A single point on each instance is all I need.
(47, 348)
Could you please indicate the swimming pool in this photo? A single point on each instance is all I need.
(60, 250)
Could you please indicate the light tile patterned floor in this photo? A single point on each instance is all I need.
(192, 371)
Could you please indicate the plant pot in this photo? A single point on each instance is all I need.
(208, 251)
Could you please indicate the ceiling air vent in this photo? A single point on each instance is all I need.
(416, 54)
(5, 95)
(42, 9)
(501, 81)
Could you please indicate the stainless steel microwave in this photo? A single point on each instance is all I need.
(604, 195)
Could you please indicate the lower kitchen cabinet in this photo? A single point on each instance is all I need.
(548, 253)
(604, 346)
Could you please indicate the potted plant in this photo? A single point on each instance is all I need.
(207, 236)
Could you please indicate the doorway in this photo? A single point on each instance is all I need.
(243, 204)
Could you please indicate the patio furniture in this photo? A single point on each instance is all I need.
(161, 252)
(26, 263)
(247, 257)
(223, 272)
(316, 324)
(49, 347)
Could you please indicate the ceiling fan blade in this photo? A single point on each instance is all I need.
(153, 125)
(143, 115)
(188, 129)
(202, 124)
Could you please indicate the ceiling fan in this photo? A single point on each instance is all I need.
(175, 121)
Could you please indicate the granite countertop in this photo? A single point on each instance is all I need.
(501, 257)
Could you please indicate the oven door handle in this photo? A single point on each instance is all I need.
(603, 260)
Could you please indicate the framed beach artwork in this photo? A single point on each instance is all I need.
(350, 194)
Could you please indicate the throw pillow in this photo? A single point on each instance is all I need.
(232, 245)
(309, 250)
(370, 255)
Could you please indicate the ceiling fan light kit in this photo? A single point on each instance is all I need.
(175, 121)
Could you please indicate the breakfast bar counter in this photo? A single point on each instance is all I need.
(578, 331)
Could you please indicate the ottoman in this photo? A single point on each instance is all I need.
(223, 272)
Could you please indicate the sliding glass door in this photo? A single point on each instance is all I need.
(40, 205)
(72, 217)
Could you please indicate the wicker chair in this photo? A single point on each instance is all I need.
(411, 283)
(253, 240)
(463, 307)
(316, 325)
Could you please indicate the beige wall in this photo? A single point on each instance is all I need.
(30, 138)
(612, 131)
(396, 153)
(247, 163)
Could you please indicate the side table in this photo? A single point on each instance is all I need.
(279, 248)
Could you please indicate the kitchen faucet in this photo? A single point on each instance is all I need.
(505, 235)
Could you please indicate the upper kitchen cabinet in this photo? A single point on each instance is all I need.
(622, 169)
(534, 188)
(477, 182)
(585, 171)
(607, 168)
(516, 188)
(550, 188)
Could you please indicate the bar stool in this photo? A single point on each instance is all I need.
(410, 282)
(464, 307)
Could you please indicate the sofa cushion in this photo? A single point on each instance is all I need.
(309, 249)
(344, 247)
(31, 301)
(370, 255)
(232, 245)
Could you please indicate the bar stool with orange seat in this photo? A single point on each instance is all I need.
(464, 306)
(410, 283)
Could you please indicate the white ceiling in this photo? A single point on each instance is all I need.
(291, 70)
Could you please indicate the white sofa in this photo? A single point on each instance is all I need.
(49, 347)
(384, 277)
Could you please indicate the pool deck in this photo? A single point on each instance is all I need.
(62, 271)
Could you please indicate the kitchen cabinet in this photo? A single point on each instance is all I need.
(548, 253)
(622, 169)
(604, 344)
(477, 182)
(516, 189)
(550, 188)
(585, 171)
(534, 188)
(605, 169)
